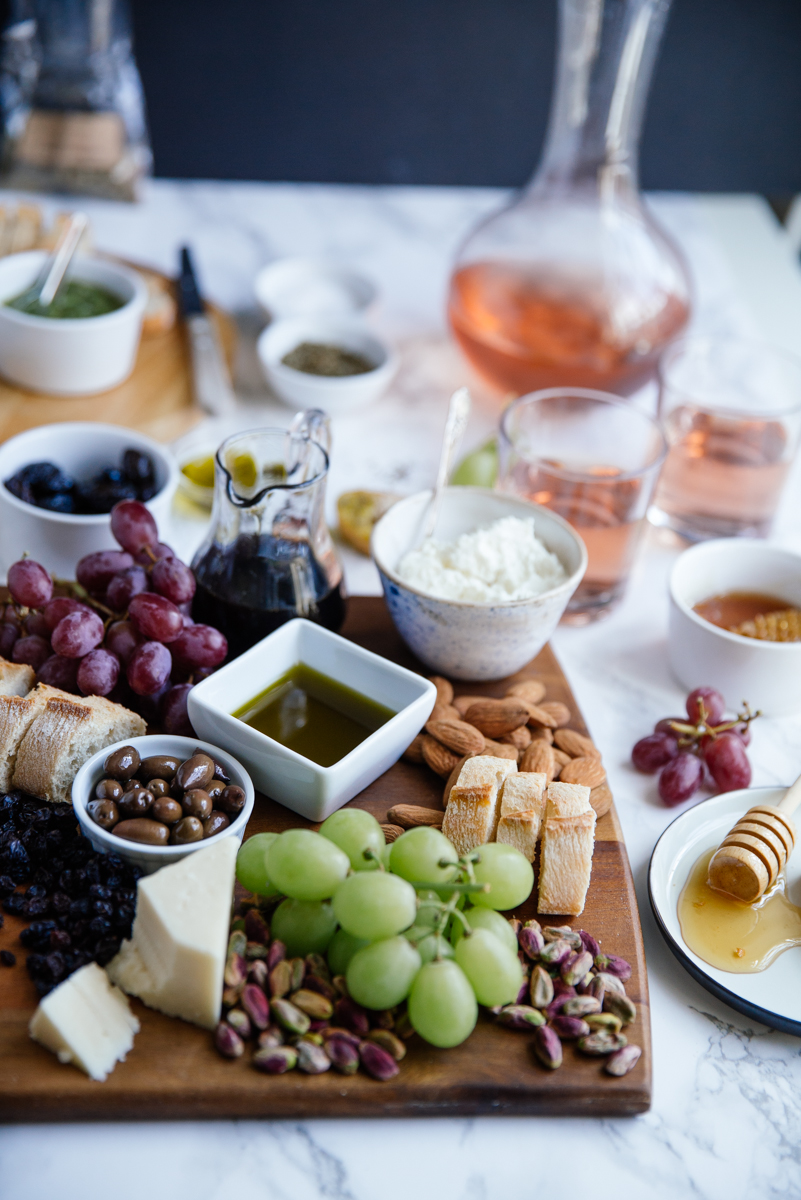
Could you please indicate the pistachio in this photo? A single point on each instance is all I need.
(289, 1017)
(277, 954)
(553, 933)
(256, 1006)
(314, 1039)
(255, 951)
(612, 964)
(520, 1016)
(352, 1016)
(316, 984)
(228, 1041)
(540, 988)
(317, 966)
(336, 1031)
(385, 1019)
(237, 942)
(556, 1006)
(238, 925)
(344, 1055)
(547, 1047)
(403, 1027)
(621, 1006)
(554, 953)
(623, 1060)
(275, 1060)
(231, 995)
(589, 942)
(377, 1061)
(389, 1042)
(239, 1021)
(298, 966)
(339, 985)
(604, 1020)
(569, 1028)
(601, 1043)
(280, 979)
(611, 983)
(256, 928)
(258, 974)
(313, 1004)
(574, 968)
(236, 970)
(515, 925)
(531, 941)
(580, 1006)
(272, 1036)
(522, 994)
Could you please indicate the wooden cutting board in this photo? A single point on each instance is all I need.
(156, 398)
(174, 1072)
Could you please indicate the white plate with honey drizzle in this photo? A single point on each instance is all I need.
(746, 954)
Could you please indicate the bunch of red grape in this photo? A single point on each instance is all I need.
(701, 749)
(130, 636)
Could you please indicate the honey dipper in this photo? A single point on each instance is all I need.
(754, 852)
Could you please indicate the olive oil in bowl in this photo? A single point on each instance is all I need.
(314, 715)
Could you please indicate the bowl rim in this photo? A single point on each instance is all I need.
(91, 519)
(136, 301)
(311, 265)
(715, 546)
(122, 846)
(571, 582)
(335, 382)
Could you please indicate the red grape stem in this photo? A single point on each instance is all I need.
(691, 734)
(75, 589)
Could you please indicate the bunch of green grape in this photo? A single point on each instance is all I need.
(410, 921)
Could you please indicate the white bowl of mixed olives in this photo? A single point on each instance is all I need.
(153, 800)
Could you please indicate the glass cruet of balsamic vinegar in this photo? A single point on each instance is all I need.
(575, 283)
(268, 555)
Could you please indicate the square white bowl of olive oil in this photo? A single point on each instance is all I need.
(264, 687)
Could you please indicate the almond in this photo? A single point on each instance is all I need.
(531, 690)
(575, 744)
(559, 711)
(457, 736)
(462, 703)
(495, 717)
(539, 732)
(444, 689)
(409, 816)
(392, 833)
(561, 758)
(500, 750)
(539, 757)
(601, 799)
(451, 780)
(520, 738)
(445, 712)
(587, 771)
(537, 715)
(414, 751)
(439, 758)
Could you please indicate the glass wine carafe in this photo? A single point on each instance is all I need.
(268, 556)
(575, 283)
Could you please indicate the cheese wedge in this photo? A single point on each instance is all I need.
(521, 830)
(524, 792)
(87, 1022)
(471, 817)
(176, 956)
(566, 800)
(566, 863)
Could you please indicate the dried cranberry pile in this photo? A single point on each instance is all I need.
(703, 749)
(126, 634)
(80, 903)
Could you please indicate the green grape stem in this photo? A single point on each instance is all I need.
(457, 889)
(370, 856)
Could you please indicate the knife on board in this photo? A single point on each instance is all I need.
(212, 383)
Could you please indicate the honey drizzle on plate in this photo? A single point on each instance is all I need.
(730, 935)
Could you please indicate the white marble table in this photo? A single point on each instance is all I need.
(726, 1118)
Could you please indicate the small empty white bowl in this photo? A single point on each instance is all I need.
(334, 394)
(74, 356)
(82, 449)
(766, 674)
(150, 858)
(302, 785)
(463, 639)
(311, 287)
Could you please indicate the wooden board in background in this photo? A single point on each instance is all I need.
(173, 1070)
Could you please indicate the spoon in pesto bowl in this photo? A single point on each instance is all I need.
(43, 291)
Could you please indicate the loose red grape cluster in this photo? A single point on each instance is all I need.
(131, 637)
(700, 750)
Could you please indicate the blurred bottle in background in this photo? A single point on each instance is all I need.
(72, 103)
(575, 283)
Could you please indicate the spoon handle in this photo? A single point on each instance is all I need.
(455, 425)
(62, 257)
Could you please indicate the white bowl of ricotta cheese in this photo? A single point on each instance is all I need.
(481, 597)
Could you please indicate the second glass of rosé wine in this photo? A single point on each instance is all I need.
(731, 411)
(593, 459)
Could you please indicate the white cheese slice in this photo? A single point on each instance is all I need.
(86, 1021)
(176, 956)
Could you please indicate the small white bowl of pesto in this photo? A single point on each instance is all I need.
(85, 342)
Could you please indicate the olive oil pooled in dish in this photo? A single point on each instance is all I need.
(314, 715)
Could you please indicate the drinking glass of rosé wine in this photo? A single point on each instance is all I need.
(594, 459)
(731, 412)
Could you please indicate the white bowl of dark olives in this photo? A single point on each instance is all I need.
(153, 800)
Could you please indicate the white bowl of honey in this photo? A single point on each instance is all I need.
(735, 622)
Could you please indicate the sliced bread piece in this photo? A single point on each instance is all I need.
(566, 800)
(17, 713)
(523, 792)
(521, 830)
(16, 679)
(471, 817)
(67, 731)
(566, 863)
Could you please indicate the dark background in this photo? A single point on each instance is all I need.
(452, 91)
